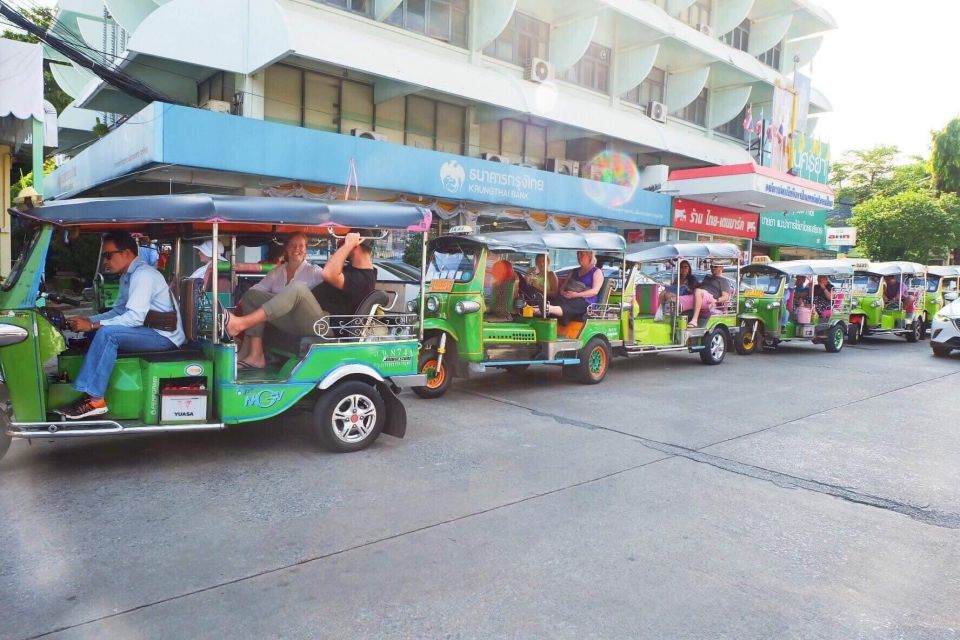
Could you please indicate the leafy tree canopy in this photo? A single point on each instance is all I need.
(945, 160)
(863, 174)
(912, 225)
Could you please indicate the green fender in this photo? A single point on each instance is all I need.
(436, 325)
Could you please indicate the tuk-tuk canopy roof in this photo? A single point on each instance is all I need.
(721, 250)
(230, 211)
(896, 268)
(944, 271)
(795, 268)
(542, 241)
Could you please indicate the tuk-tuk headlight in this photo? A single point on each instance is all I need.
(875, 303)
(750, 303)
(412, 306)
(854, 302)
(433, 303)
(466, 306)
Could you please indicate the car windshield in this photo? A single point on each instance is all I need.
(766, 282)
(866, 282)
(456, 262)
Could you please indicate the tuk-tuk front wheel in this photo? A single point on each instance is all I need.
(594, 361)
(853, 333)
(835, 338)
(714, 347)
(438, 378)
(915, 334)
(748, 338)
(348, 416)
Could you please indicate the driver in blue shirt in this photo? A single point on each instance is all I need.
(142, 289)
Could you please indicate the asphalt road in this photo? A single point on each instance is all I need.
(790, 495)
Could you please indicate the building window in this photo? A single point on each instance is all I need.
(696, 14)
(696, 111)
(219, 86)
(357, 6)
(739, 38)
(521, 142)
(435, 125)
(523, 38)
(771, 57)
(593, 69)
(441, 19)
(651, 89)
(734, 128)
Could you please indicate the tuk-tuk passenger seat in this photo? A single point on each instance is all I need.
(648, 299)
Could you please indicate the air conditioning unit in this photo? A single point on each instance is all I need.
(220, 106)
(369, 135)
(591, 170)
(495, 157)
(705, 29)
(657, 111)
(526, 165)
(563, 166)
(538, 70)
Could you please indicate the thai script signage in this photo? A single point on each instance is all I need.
(697, 216)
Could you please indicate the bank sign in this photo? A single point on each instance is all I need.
(697, 216)
(201, 139)
(799, 229)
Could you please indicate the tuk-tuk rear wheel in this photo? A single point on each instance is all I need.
(348, 416)
(4, 438)
(438, 384)
(746, 341)
(835, 338)
(714, 347)
(594, 361)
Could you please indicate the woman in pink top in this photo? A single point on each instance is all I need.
(294, 268)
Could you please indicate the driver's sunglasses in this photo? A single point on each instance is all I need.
(106, 255)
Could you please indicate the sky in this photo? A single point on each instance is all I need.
(888, 71)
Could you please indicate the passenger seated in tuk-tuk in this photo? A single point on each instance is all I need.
(144, 318)
(894, 294)
(578, 291)
(297, 308)
(823, 297)
(716, 285)
(205, 253)
(692, 296)
(531, 285)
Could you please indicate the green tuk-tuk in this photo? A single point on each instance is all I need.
(474, 319)
(943, 287)
(888, 298)
(658, 324)
(771, 312)
(348, 374)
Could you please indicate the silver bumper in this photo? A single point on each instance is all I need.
(412, 380)
(86, 428)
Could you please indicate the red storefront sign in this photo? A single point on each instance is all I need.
(697, 216)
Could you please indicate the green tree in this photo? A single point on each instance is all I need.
(945, 159)
(863, 173)
(43, 17)
(912, 225)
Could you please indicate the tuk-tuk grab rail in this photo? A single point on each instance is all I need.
(389, 327)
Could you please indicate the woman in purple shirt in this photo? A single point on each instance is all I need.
(578, 291)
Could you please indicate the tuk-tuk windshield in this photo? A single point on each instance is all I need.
(866, 282)
(768, 283)
(22, 259)
(933, 284)
(456, 262)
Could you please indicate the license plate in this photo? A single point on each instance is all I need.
(441, 286)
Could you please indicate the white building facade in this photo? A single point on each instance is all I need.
(507, 92)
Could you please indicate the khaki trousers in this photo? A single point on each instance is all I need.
(294, 310)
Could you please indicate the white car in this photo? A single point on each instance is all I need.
(945, 331)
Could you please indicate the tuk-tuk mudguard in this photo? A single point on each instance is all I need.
(439, 325)
(396, 419)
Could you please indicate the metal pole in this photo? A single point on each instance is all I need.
(215, 281)
(423, 280)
